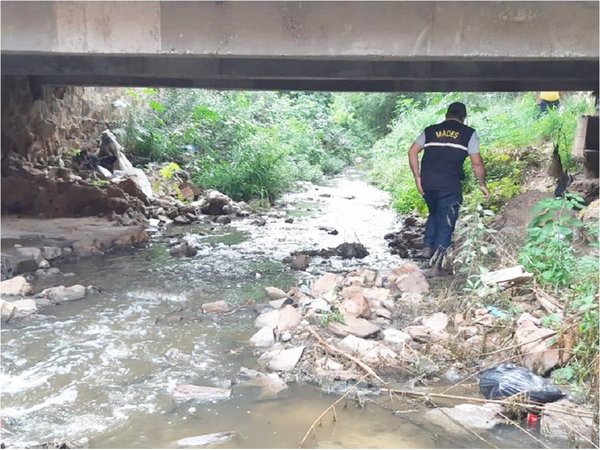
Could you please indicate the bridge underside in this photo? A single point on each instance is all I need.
(305, 73)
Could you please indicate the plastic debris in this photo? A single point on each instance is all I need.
(507, 380)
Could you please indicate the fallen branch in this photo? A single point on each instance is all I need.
(575, 413)
(550, 304)
(334, 351)
(329, 408)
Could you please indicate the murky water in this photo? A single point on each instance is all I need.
(96, 369)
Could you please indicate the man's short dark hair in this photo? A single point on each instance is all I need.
(457, 110)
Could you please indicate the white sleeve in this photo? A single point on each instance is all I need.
(473, 145)
(421, 140)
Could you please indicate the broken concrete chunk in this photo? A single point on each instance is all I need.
(357, 306)
(15, 286)
(511, 275)
(436, 322)
(200, 394)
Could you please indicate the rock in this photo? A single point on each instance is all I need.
(286, 360)
(278, 304)
(357, 306)
(436, 322)
(475, 417)
(7, 310)
(268, 319)
(25, 307)
(260, 222)
(129, 183)
(300, 262)
(64, 294)
(44, 264)
(215, 307)
(393, 336)
(459, 320)
(30, 253)
(571, 427)
(468, 332)
(289, 220)
(275, 293)
(328, 230)
(51, 253)
(289, 318)
(349, 250)
(369, 351)
(419, 333)
(15, 286)
(223, 220)
(271, 385)
(214, 203)
(92, 290)
(286, 336)
(164, 219)
(317, 304)
(408, 278)
(538, 356)
(263, 337)
(200, 394)
(206, 439)
(326, 283)
(182, 220)
(357, 327)
(375, 294)
(184, 249)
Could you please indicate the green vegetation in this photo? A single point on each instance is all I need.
(562, 252)
(511, 132)
(254, 145)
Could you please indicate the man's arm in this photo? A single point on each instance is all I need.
(479, 169)
(413, 160)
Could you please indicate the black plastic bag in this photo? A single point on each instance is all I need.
(506, 380)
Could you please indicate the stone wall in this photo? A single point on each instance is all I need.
(40, 123)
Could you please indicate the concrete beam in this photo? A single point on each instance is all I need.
(332, 29)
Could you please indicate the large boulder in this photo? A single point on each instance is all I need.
(408, 278)
(215, 307)
(15, 286)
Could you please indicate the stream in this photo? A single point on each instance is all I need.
(96, 371)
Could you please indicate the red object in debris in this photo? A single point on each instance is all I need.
(533, 420)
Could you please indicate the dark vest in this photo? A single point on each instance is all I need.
(444, 154)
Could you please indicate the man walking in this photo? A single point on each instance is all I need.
(439, 180)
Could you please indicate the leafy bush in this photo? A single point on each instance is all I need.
(512, 135)
(253, 144)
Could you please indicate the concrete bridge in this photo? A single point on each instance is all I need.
(335, 45)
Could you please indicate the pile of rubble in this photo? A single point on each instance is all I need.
(407, 242)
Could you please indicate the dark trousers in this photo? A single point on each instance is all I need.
(544, 106)
(443, 213)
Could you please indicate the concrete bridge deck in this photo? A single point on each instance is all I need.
(331, 45)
